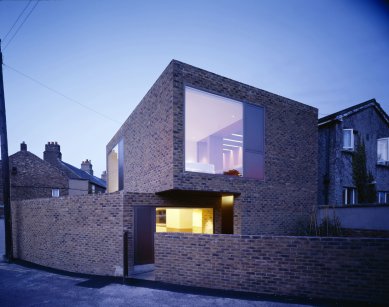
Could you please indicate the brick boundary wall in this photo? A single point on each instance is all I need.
(335, 268)
(81, 234)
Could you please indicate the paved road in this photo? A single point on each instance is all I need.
(21, 285)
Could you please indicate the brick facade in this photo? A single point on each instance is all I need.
(153, 139)
(81, 234)
(335, 268)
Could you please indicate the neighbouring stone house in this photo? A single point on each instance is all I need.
(32, 177)
(213, 155)
(339, 135)
(81, 180)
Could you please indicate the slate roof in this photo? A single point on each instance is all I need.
(354, 109)
(77, 173)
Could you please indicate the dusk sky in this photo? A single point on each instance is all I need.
(107, 54)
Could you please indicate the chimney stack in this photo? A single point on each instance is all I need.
(23, 146)
(87, 166)
(104, 175)
(52, 152)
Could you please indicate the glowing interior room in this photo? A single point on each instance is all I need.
(223, 136)
(193, 220)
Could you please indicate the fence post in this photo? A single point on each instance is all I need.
(125, 255)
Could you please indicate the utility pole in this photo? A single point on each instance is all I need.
(5, 168)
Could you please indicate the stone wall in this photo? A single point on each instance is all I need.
(335, 268)
(81, 234)
(335, 164)
(31, 177)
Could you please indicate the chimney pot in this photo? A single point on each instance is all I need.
(52, 152)
(23, 146)
(87, 166)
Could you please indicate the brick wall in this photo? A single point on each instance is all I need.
(78, 234)
(151, 199)
(153, 137)
(147, 137)
(289, 190)
(337, 268)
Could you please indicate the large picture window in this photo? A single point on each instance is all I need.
(223, 136)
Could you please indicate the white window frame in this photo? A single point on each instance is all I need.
(351, 139)
(54, 192)
(353, 196)
(384, 195)
(387, 150)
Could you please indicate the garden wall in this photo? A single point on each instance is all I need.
(362, 217)
(81, 234)
(335, 268)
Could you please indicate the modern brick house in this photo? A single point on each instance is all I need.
(339, 135)
(81, 181)
(207, 154)
(31, 177)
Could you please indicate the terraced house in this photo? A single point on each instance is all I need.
(202, 153)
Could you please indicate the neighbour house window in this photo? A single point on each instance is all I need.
(55, 193)
(383, 150)
(115, 168)
(223, 136)
(348, 139)
(383, 197)
(93, 189)
(349, 196)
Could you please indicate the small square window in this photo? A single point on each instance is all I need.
(348, 139)
(55, 193)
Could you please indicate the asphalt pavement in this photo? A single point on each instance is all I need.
(26, 284)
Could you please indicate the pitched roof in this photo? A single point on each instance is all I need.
(354, 109)
(80, 174)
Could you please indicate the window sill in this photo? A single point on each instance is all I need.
(383, 164)
(348, 151)
(228, 177)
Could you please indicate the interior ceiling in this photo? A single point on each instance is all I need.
(205, 113)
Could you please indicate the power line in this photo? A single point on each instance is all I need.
(17, 19)
(60, 94)
(21, 25)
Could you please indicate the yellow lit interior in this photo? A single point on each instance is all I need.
(227, 200)
(193, 220)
